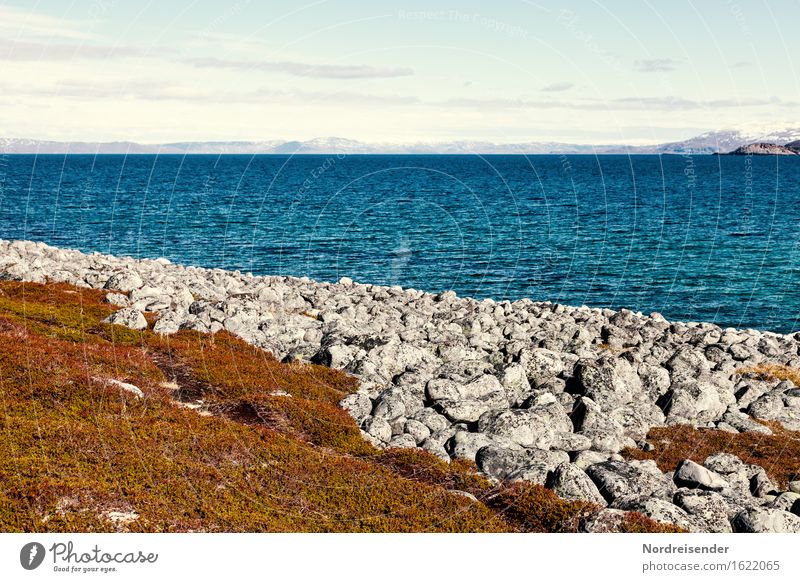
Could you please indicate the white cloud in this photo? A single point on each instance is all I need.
(666, 103)
(557, 87)
(655, 65)
(26, 23)
(46, 51)
(303, 69)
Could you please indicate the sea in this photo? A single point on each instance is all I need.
(696, 238)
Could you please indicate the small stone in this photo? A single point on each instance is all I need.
(135, 390)
(418, 431)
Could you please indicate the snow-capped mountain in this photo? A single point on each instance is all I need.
(722, 141)
(727, 141)
(33, 146)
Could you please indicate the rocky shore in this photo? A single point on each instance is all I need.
(528, 390)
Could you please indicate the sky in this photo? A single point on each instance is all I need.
(505, 71)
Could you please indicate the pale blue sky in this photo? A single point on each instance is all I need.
(504, 71)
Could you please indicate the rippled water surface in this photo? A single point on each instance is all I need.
(695, 238)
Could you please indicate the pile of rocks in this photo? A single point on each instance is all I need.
(528, 390)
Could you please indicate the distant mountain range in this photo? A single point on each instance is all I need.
(706, 143)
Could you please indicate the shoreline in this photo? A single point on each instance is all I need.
(531, 391)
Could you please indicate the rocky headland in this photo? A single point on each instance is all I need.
(767, 149)
(565, 397)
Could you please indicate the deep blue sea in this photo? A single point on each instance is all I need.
(696, 238)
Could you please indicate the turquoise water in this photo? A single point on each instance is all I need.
(695, 238)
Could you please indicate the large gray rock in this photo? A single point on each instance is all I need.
(500, 462)
(724, 463)
(708, 507)
(779, 406)
(693, 401)
(507, 464)
(571, 482)
(124, 281)
(465, 445)
(609, 382)
(655, 381)
(585, 459)
(417, 430)
(128, 317)
(690, 474)
(767, 407)
(402, 441)
(335, 355)
(761, 485)
(659, 510)
(760, 519)
(358, 405)
(617, 479)
(514, 379)
(487, 388)
(602, 428)
(541, 365)
(570, 442)
(467, 402)
(432, 419)
(538, 426)
(170, 322)
(539, 465)
(687, 363)
(787, 501)
(378, 428)
(743, 423)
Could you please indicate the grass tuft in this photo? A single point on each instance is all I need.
(778, 454)
(771, 372)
